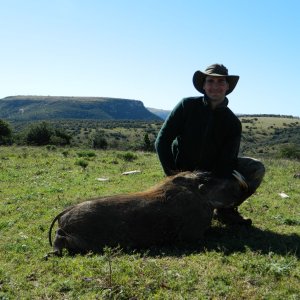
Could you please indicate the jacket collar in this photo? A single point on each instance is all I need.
(206, 101)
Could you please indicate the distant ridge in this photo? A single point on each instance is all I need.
(160, 112)
(67, 107)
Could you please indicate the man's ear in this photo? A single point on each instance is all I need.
(227, 87)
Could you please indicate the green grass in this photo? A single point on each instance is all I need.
(231, 263)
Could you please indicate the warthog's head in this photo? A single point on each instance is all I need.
(218, 192)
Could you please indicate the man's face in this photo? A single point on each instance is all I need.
(215, 88)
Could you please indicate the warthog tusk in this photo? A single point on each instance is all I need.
(240, 178)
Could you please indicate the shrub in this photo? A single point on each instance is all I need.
(39, 134)
(290, 151)
(86, 153)
(82, 163)
(99, 142)
(65, 153)
(44, 134)
(61, 137)
(5, 133)
(51, 147)
(128, 156)
(56, 140)
(148, 145)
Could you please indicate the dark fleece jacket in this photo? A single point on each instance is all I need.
(195, 137)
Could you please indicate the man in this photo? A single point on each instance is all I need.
(202, 133)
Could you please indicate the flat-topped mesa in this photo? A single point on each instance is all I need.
(29, 108)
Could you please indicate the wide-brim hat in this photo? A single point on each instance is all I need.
(214, 70)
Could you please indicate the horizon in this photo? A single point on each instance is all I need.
(149, 50)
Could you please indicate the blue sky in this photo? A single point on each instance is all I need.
(148, 50)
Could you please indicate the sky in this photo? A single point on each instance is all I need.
(148, 50)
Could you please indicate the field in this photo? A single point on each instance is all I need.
(266, 136)
(36, 183)
(262, 136)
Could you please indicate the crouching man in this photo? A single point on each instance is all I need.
(202, 133)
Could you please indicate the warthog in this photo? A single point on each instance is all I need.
(178, 210)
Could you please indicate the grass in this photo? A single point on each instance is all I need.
(261, 262)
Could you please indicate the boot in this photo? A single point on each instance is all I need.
(231, 216)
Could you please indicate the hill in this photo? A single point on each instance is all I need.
(159, 112)
(265, 136)
(30, 108)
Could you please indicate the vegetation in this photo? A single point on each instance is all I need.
(262, 136)
(290, 151)
(37, 183)
(120, 135)
(99, 141)
(5, 133)
(43, 134)
(266, 136)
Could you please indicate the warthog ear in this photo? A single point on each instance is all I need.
(203, 176)
(192, 178)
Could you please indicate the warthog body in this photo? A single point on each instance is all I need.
(178, 210)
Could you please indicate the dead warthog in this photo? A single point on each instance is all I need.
(178, 210)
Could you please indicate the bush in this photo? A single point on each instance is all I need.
(100, 142)
(290, 151)
(5, 133)
(61, 137)
(39, 134)
(82, 163)
(43, 134)
(128, 156)
(86, 154)
(51, 147)
(148, 145)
